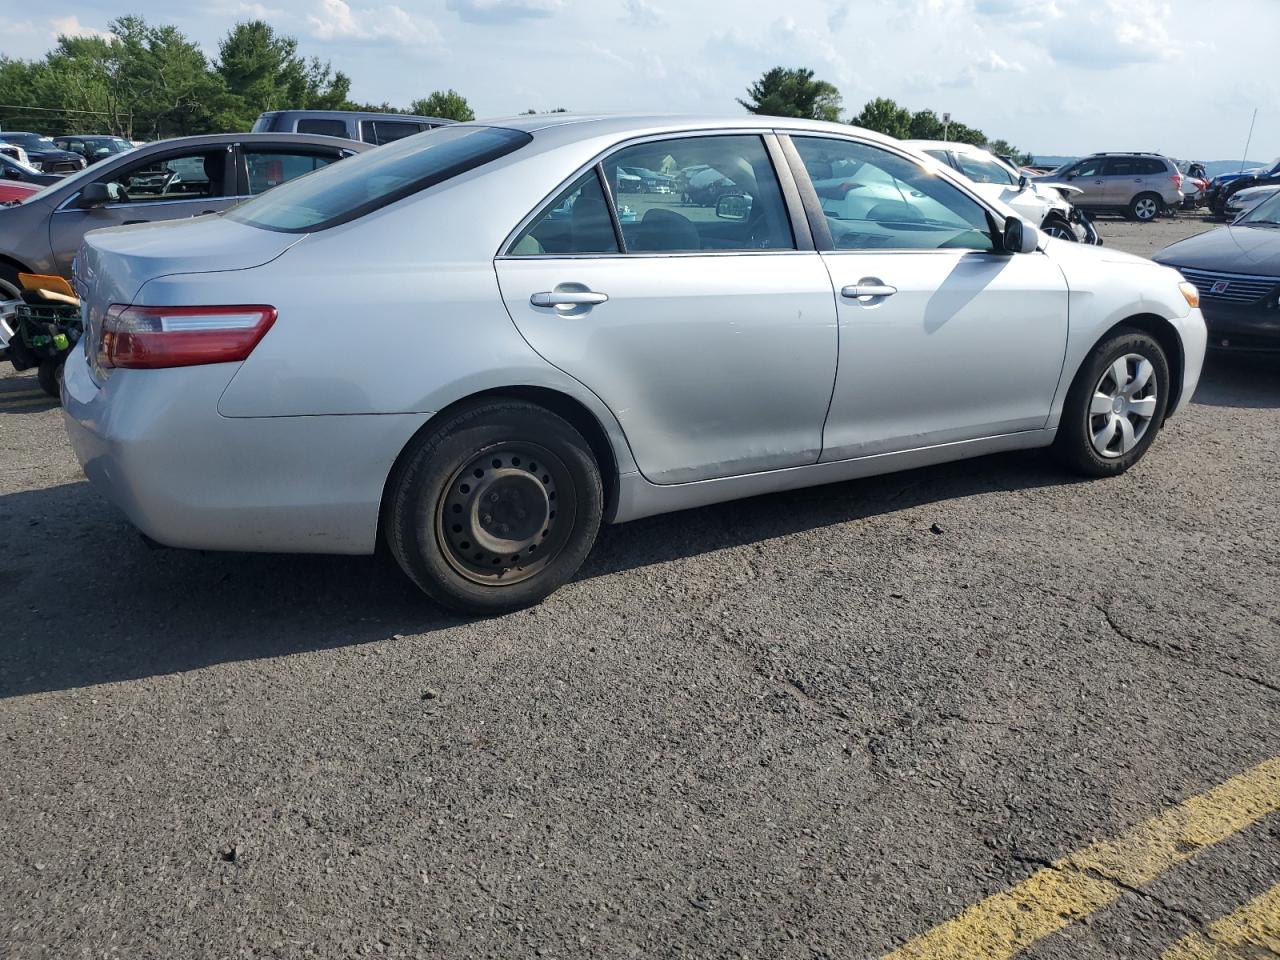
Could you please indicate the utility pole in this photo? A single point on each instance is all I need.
(946, 126)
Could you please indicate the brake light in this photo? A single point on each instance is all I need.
(1177, 180)
(152, 337)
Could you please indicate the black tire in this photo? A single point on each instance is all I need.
(1059, 228)
(1074, 445)
(10, 288)
(1145, 207)
(49, 374)
(529, 539)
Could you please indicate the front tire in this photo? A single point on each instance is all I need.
(49, 373)
(1058, 228)
(495, 508)
(1115, 406)
(1145, 207)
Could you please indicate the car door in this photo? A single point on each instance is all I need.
(165, 185)
(708, 329)
(942, 338)
(1087, 175)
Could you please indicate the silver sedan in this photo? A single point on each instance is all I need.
(467, 344)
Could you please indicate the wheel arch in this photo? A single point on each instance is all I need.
(1165, 334)
(558, 402)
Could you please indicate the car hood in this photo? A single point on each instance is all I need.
(1234, 249)
(114, 263)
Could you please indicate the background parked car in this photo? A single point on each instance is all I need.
(375, 128)
(93, 147)
(1236, 268)
(14, 152)
(1039, 203)
(1140, 186)
(1222, 186)
(166, 180)
(43, 154)
(11, 169)
(1245, 200)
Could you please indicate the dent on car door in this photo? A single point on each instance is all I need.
(165, 186)
(942, 338)
(700, 324)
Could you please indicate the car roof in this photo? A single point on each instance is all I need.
(947, 145)
(369, 114)
(555, 128)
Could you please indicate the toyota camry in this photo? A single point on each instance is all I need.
(457, 343)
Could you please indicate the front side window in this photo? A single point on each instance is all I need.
(575, 222)
(185, 177)
(874, 199)
(695, 194)
(982, 169)
(364, 183)
(1091, 167)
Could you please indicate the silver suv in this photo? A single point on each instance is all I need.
(1139, 185)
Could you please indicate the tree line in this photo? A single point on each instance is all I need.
(147, 82)
(795, 92)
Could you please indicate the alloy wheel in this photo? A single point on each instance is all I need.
(1123, 405)
(1146, 209)
(506, 513)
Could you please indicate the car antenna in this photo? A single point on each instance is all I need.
(1248, 140)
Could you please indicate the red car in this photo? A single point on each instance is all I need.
(11, 190)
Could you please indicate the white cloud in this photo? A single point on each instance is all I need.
(642, 13)
(337, 20)
(71, 26)
(503, 11)
(1104, 34)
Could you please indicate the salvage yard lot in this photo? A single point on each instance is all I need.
(821, 723)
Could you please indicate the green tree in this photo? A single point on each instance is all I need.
(884, 116)
(1003, 148)
(783, 92)
(448, 104)
(262, 70)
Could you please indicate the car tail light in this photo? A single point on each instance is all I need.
(1177, 180)
(152, 337)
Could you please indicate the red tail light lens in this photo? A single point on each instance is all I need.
(148, 338)
(1177, 180)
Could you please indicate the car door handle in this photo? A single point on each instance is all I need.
(567, 298)
(865, 289)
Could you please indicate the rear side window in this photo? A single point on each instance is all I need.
(387, 131)
(268, 168)
(263, 123)
(364, 183)
(577, 221)
(1153, 167)
(326, 128)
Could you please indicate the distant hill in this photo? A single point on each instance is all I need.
(1211, 167)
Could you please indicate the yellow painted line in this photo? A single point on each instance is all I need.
(1253, 928)
(1080, 883)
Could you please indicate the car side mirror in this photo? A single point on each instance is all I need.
(1020, 236)
(94, 195)
(733, 206)
(1022, 181)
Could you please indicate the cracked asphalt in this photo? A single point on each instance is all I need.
(816, 724)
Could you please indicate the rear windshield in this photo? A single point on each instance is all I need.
(350, 189)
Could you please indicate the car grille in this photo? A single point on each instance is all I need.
(1231, 287)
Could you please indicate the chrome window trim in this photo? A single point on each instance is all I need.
(137, 204)
(504, 248)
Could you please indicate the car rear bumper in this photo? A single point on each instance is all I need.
(152, 442)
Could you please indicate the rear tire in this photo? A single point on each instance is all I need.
(495, 508)
(1115, 406)
(1145, 207)
(49, 374)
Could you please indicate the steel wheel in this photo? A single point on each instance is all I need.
(1123, 406)
(506, 514)
(1146, 208)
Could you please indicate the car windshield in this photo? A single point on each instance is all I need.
(28, 141)
(1267, 213)
(360, 185)
(984, 168)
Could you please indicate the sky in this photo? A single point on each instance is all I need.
(1051, 76)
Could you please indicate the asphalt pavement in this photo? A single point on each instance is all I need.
(977, 710)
